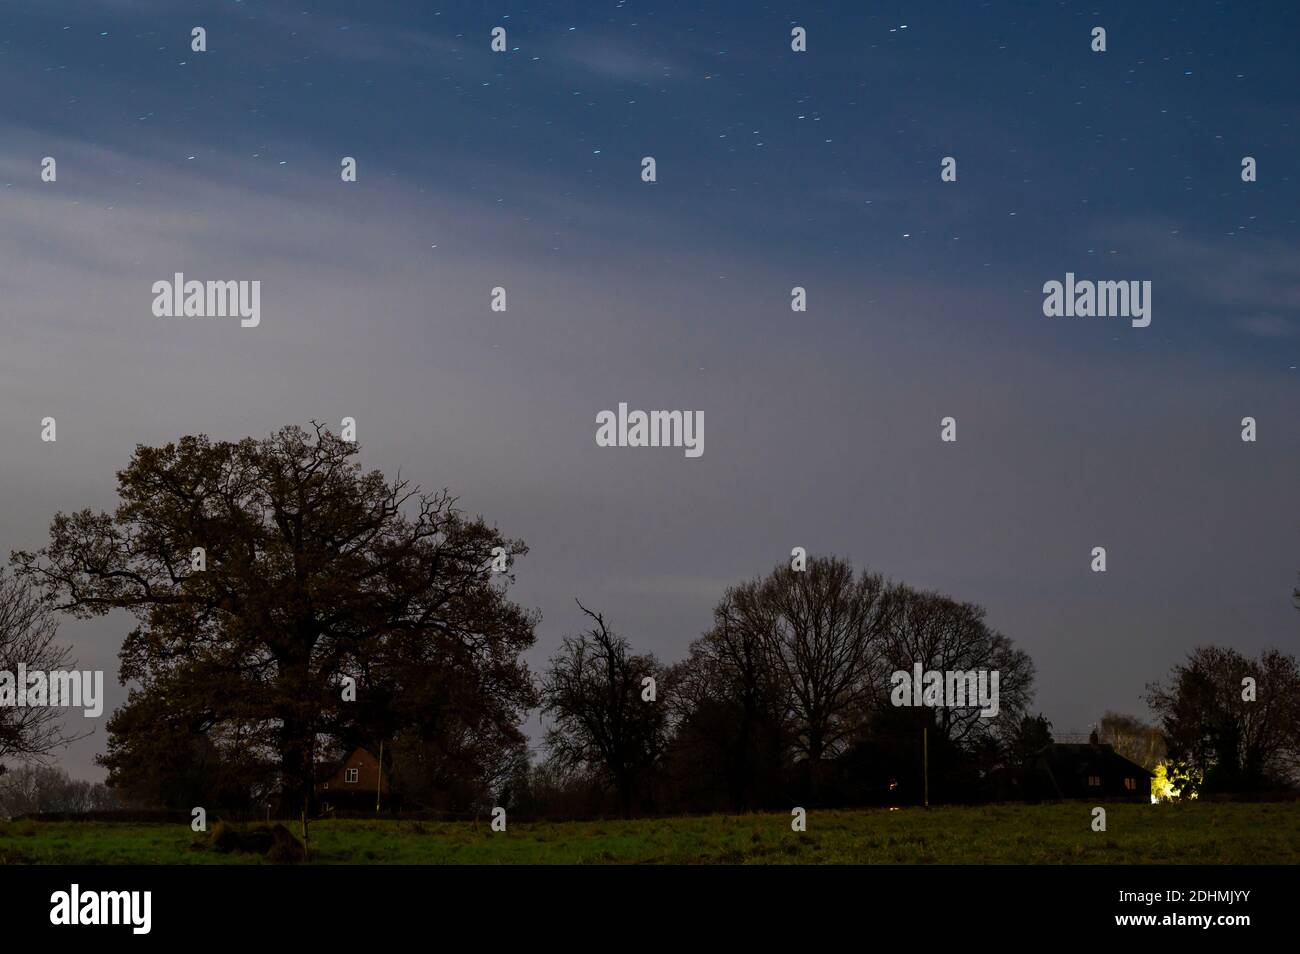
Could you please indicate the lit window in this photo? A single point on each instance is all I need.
(351, 775)
(1094, 781)
(1131, 784)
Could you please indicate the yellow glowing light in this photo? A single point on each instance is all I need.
(1162, 789)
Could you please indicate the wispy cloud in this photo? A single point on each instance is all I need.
(1269, 326)
(608, 60)
(362, 39)
(1257, 276)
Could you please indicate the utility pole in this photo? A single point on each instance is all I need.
(925, 756)
(306, 797)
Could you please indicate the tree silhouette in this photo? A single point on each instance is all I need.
(27, 635)
(823, 630)
(944, 635)
(1217, 739)
(594, 691)
(315, 572)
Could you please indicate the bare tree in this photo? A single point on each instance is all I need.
(824, 632)
(1221, 736)
(27, 635)
(33, 788)
(945, 635)
(594, 690)
(731, 720)
(1133, 739)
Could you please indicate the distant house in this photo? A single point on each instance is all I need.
(354, 783)
(1093, 770)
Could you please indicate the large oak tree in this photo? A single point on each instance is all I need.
(316, 572)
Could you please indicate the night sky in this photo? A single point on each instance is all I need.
(775, 169)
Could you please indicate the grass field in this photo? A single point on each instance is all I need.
(1192, 833)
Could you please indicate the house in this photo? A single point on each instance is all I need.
(1092, 770)
(356, 783)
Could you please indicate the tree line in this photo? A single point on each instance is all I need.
(289, 606)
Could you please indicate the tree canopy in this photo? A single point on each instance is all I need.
(264, 574)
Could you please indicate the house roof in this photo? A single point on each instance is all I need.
(327, 770)
(1095, 754)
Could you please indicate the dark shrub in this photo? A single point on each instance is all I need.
(225, 838)
(285, 849)
(275, 842)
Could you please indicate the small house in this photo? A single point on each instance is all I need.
(357, 782)
(1092, 770)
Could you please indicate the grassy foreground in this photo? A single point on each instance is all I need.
(999, 834)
